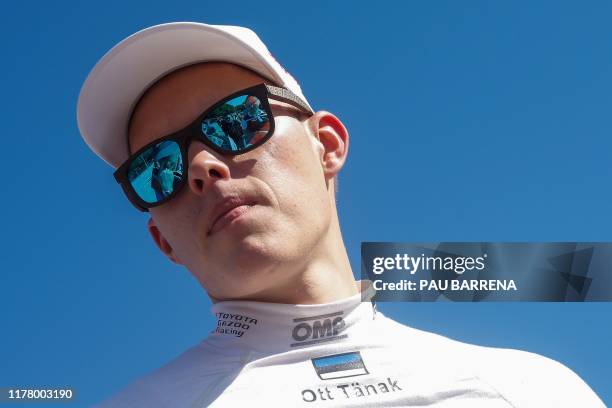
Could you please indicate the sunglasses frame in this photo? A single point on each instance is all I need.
(193, 131)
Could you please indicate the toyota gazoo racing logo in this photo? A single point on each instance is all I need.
(318, 329)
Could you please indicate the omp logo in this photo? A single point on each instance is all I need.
(318, 329)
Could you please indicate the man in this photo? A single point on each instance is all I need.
(257, 226)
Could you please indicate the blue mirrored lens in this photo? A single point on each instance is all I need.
(157, 172)
(237, 124)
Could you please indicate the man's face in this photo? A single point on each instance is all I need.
(289, 202)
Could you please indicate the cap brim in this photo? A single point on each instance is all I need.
(118, 80)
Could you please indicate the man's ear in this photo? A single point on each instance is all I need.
(334, 140)
(161, 242)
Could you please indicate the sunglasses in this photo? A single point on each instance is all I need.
(234, 125)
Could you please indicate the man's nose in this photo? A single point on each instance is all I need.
(204, 168)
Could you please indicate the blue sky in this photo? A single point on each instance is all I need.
(469, 121)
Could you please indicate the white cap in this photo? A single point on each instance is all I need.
(119, 79)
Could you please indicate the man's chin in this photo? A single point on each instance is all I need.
(254, 252)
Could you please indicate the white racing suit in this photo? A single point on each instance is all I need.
(346, 354)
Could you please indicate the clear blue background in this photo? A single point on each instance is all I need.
(470, 120)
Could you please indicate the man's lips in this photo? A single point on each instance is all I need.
(226, 211)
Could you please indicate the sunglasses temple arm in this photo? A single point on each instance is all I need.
(285, 95)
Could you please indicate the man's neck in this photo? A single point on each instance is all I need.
(322, 277)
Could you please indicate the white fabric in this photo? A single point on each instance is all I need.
(277, 355)
(117, 81)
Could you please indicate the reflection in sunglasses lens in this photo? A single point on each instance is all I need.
(237, 124)
(157, 171)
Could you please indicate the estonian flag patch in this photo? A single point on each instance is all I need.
(339, 365)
